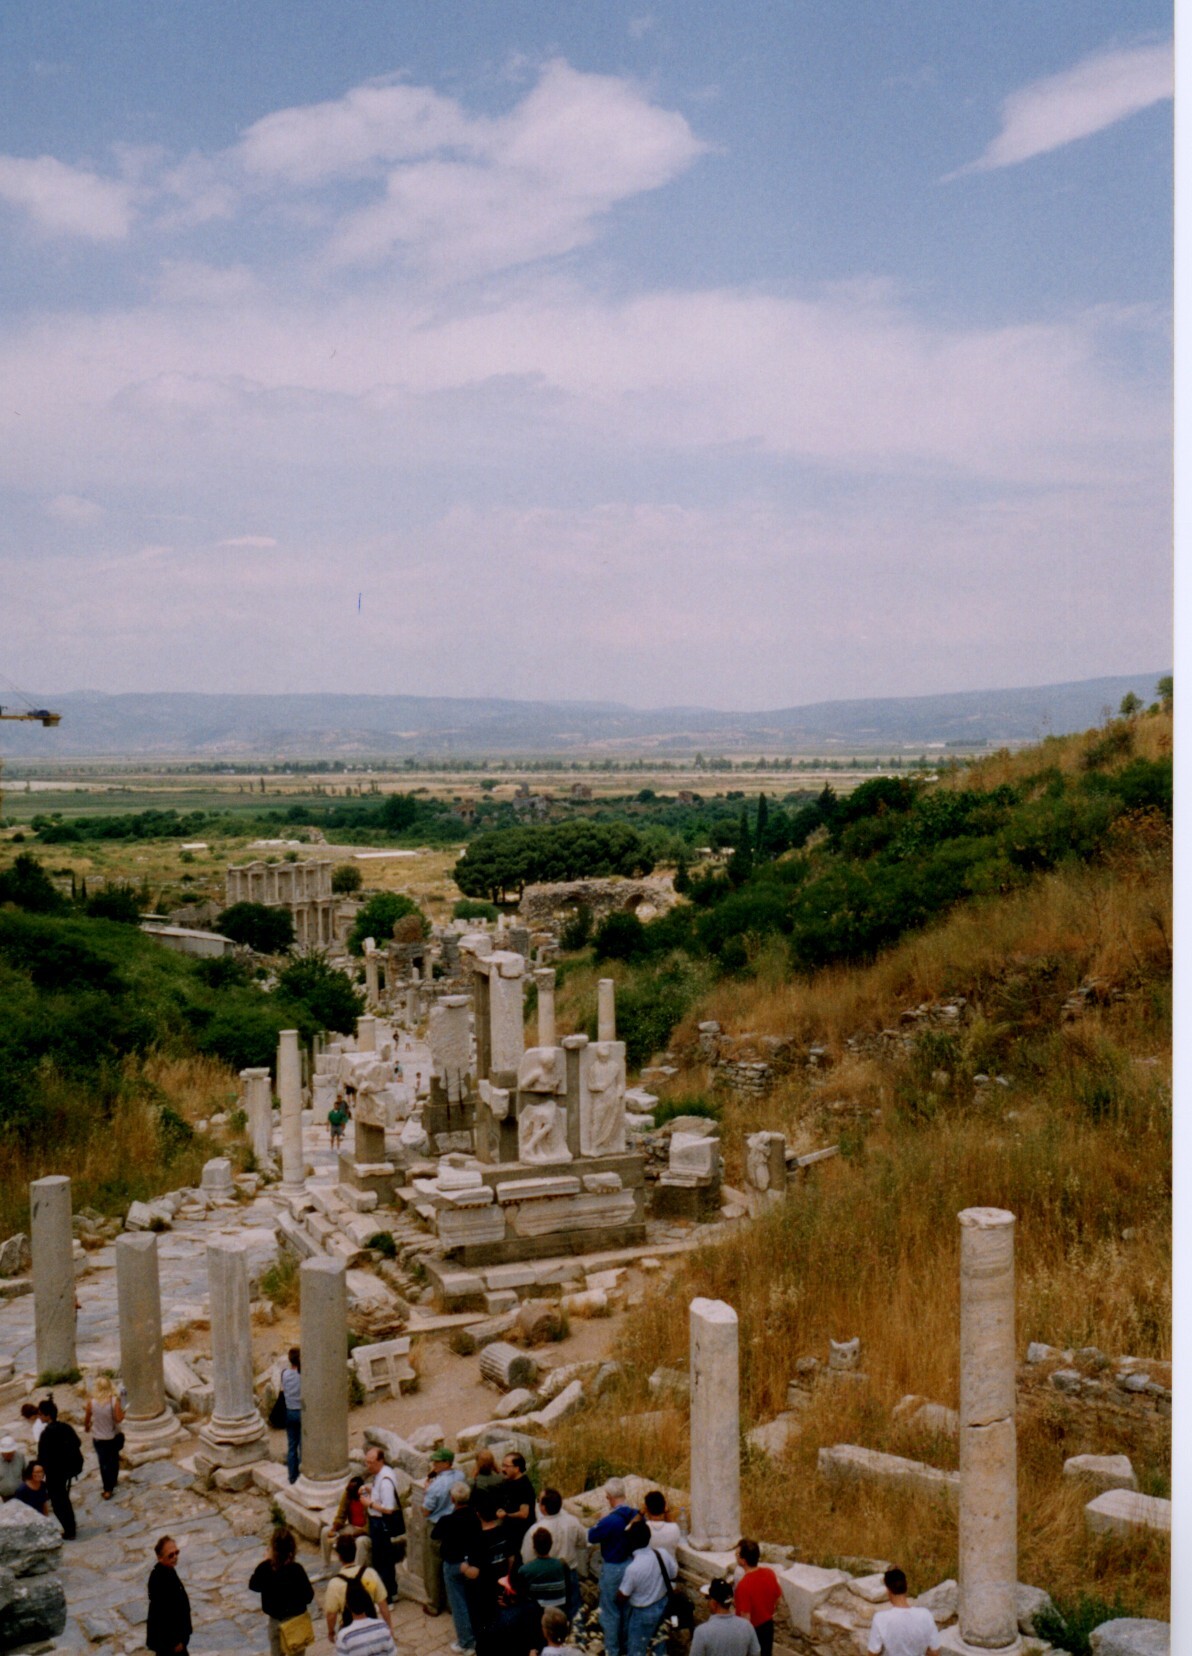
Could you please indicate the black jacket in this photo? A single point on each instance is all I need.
(60, 1452)
(168, 1625)
(285, 1592)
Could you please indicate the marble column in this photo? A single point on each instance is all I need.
(258, 1089)
(988, 1530)
(324, 1317)
(289, 1090)
(372, 978)
(507, 1002)
(544, 977)
(482, 1024)
(52, 1242)
(235, 1433)
(715, 1427)
(149, 1425)
(366, 1034)
(574, 1047)
(606, 1010)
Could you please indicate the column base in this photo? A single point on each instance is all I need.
(153, 1439)
(951, 1640)
(316, 1493)
(238, 1448)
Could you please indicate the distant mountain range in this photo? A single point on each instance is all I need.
(217, 727)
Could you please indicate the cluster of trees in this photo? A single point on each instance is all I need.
(82, 994)
(505, 861)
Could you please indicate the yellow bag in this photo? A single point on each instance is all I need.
(296, 1634)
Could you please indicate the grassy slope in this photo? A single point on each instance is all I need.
(1078, 1146)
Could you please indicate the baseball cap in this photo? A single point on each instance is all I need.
(7, 1444)
(719, 1591)
(442, 1455)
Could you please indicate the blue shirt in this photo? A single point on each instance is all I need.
(436, 1502)
(610, 1532)
(291, 1388)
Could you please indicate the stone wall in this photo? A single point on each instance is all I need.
(540, 904)
(1099, 1402)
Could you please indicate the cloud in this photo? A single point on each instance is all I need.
(466, 194)
(71, 508)
(64, 200)
(255, 542)
(1094, 94)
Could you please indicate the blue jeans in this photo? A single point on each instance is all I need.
(456, 1584)
(643, 1624)
(612, 1617)
(293, 1442)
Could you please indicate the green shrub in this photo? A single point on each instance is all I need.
(267, 930)
(327, 994)
(379, 916)
(577, 931)
(1069, 1624)
(620, 936)
(473, 908)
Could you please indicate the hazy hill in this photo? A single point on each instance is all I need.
(182, 724)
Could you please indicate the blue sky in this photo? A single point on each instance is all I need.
(674, 353)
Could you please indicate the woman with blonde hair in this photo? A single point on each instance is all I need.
(102, 1419)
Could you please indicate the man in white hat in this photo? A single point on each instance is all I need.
(12, 1467)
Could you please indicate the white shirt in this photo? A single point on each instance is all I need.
(665, 1535)
(903, 1632)
(384, 1491)
(643, 1582)
(568, 1538)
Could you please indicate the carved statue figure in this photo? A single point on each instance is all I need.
(542, 1071)
(757, 1160)
(542, 1133)
(605, 1124)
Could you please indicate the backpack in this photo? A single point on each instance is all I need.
(343, 1576)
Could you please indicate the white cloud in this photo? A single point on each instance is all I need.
(1095, 93)
(64, 200)
(249, 542)
(347, 137)
(71, 508)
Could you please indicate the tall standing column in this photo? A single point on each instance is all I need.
(715, 1427)
(372, 978)
(289, 1090)
(149, 1426)
(988, 1540)
(52, 1242)
(544, 977)
(574, 1047)
(258, 1090)
(235, 1434)
(324, 1316)
(606, 1010)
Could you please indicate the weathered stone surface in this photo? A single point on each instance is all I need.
(772, 1437)
(845, 1461)
(1030, 1602)
(804, 1589)
(459, 1227)
(53, 1274)
(29, 1544)
(30, 1609)
(568, 1402)
(1102, 1471)
(943, 1600)
(16, 1259)
(557, 1214)
(694, 1155)
(517, 1402)
(1131, 1636)
(539, 1321)
(506, 1366)
(1123, 1512)
(715, 1408)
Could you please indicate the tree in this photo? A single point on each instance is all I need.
(115, 902)
(346, 879)
(763, 816)
(379, 916)
(740, 864)
(267, 930)
(28, 885)
(1165, 690)
(327, 993)
(1130, 705)
(621, 936)
(682, 875)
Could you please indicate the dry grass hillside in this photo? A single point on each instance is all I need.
(1074, 1139)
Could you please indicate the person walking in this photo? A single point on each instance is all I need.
(350, 1570)
(757, 1594)
(644, 1588)
(615, 1553)
(102, 1419)
(903, 1629)
(61, 1453)
(286, 1592)
(363, 1633)
(168, 1626)
(386, 1526)
(337, 1120)
(291, 1391)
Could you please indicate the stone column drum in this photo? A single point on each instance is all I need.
(52, 1242)
(544, 977)
(324, 1316)
(258, 1088)
(715, 1427)
(372, 978)
(235, 1434)
(606, 1010)
(988, 1538)
(289, 1091)
(149, 1425)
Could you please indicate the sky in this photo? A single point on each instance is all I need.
(740, 356)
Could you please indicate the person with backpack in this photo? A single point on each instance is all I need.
(61, 1453)
(286, 1592)
(337, 1588)
(363, 1633)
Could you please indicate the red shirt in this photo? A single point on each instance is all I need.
(756, 1595)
